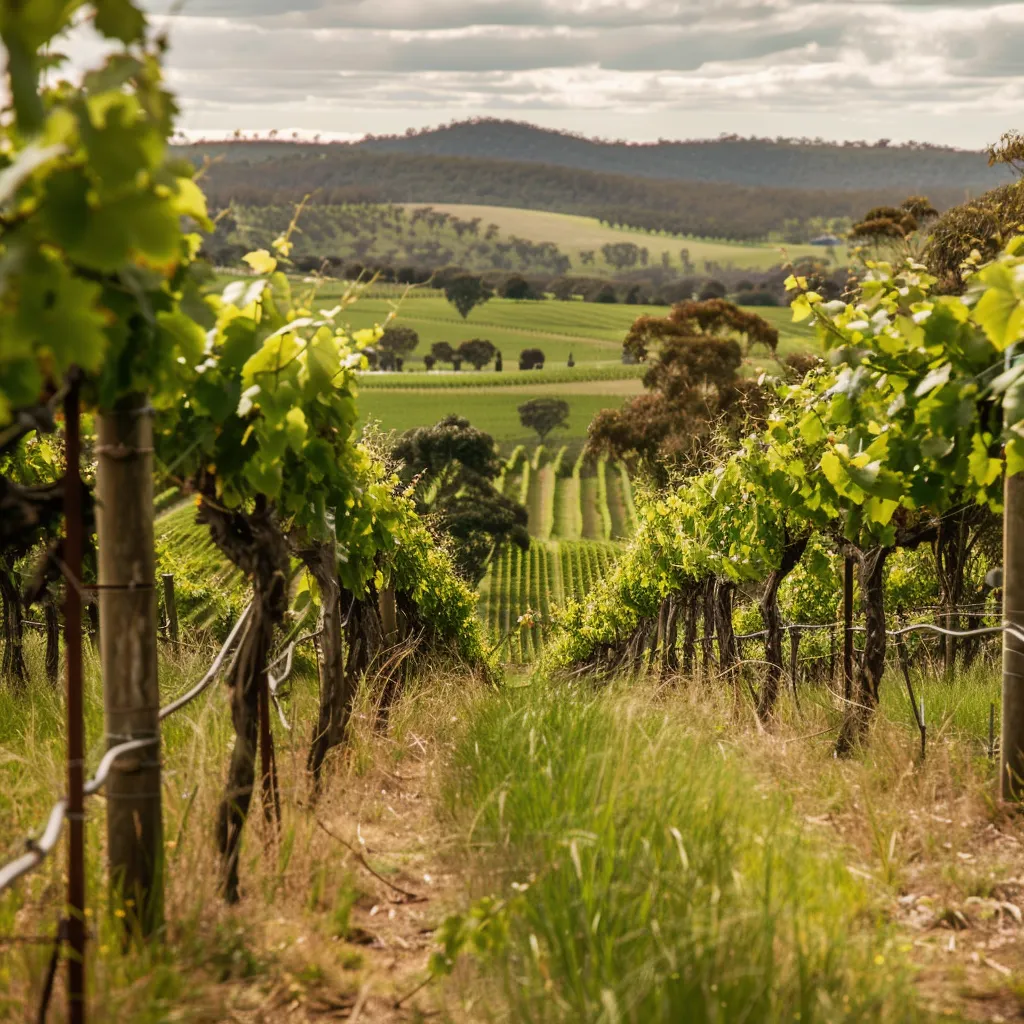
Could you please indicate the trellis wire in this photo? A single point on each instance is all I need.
(39, 849)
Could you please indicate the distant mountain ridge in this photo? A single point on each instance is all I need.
(728, 160)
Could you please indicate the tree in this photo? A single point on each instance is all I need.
(398, 341)
(429, 361)
(443, 352)
(606, 294)
(517, 287)
(544, 415)
(712, 290)
(695, 387)
(531, 359)
(478, 352)
(465, 292)
(454, 467)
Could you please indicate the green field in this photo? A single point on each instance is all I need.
(590, 332)
(572, 234)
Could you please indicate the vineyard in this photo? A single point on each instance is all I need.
(524, 591)
(737, 738)
(570, 495)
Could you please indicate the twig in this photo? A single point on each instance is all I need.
(410, 897)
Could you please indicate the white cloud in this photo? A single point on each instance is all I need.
(946, 72)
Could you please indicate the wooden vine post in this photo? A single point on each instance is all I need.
(128, 635)
(1011, 768)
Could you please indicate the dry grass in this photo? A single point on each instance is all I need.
(942, 858)
(318, 937)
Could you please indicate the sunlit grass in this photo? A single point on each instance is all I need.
(662, 881)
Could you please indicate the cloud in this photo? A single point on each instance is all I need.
(947, 72)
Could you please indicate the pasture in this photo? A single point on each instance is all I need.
(573, 234)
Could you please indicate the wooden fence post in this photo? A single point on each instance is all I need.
(127, 591)
(170, 606)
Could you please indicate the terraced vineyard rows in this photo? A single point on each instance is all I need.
(571, 498)
(533, 584)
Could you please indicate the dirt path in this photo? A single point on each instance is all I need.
(376, 838)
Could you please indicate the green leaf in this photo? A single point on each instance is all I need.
(934, 379)
(1000, 315)
(121, 20)
(261, 261)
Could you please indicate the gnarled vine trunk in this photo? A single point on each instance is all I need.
(255, 544)
(336, 691)
(708, 615)
(771, 615)
(670, 644)
(52, 619)
(691, 613)
(868, 676)
(13, 665)
(723, 596)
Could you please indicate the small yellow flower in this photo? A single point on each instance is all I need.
(879, 959)
(119, 913)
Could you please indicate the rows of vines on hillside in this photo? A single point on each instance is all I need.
(895, 444)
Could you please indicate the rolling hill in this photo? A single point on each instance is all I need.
(803, 164)
(264, 174)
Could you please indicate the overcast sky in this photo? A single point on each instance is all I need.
(637, 69)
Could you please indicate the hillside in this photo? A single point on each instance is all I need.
(268, 174)
(752, 162)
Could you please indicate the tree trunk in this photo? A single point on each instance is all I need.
(255, 544)
(13, 666)
(336, 695)
(868, 677)
(723, 595)
(52, 619)
(771, 615)
(391, 667)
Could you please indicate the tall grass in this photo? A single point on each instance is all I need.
(662, 883)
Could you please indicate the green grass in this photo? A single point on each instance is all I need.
(572, 233)
(495, 414)
(468, 378)
(648, 877)
(210, 592)
(590, 332)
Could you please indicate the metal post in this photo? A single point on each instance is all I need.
(75, 709)
(848, 630)
(170, 606)
(127, 590)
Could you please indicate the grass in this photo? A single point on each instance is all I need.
(299, 945)
(590, 332)
(670, 856)
(498, 416)
(650, 877)
(590, 374)
(572, 233)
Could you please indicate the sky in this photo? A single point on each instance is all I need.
(950, 73)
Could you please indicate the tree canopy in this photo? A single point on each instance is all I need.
(544, 415)
(450, 468)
